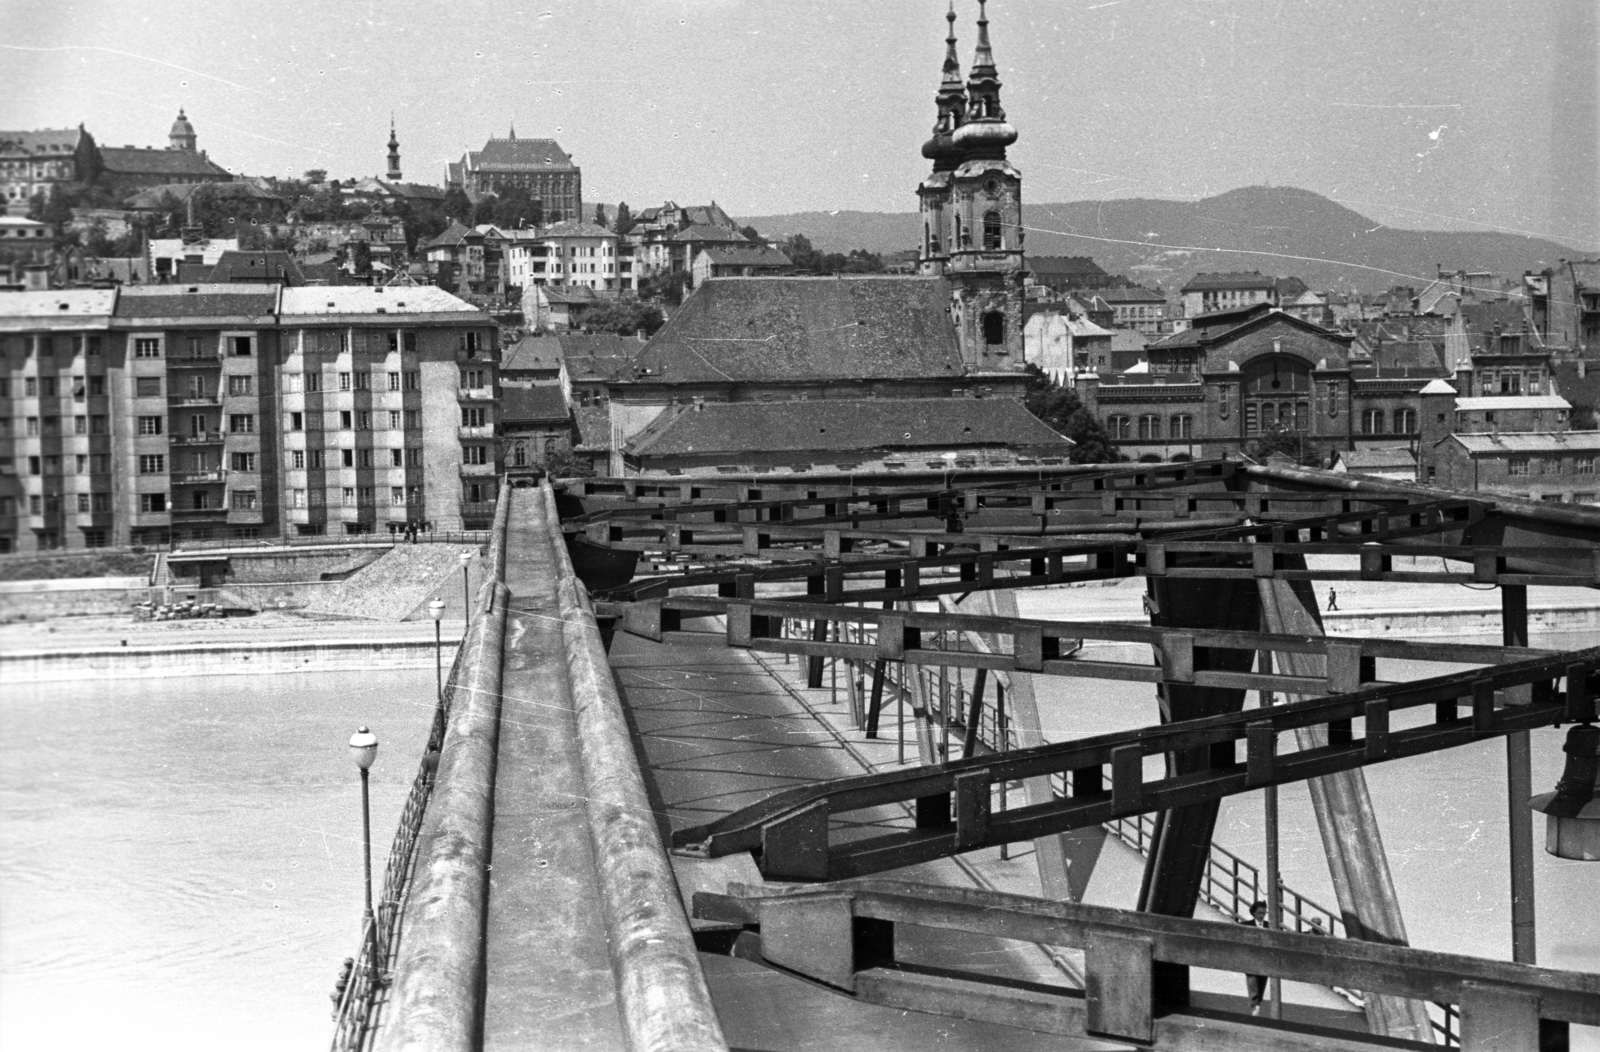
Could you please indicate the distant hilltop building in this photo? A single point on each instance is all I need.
(539, 166)
(32, 162)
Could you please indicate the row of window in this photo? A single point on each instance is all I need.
(375, 380)
(46, 386)
(1149, 426)
(1404, 422)
(362, 419)
(1583, 465)
(51, 503)
(67, 345)
(316, 459)
(86, 464)
(51, 425)
(355, 496)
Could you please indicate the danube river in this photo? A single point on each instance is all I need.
(180, 863)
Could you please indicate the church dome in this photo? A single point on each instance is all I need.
(982, 134)
(941, 147)
(181, 128)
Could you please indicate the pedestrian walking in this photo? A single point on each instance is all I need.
(1256, 985)
(1333, 599)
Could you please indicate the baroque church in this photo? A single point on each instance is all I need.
(920, 373)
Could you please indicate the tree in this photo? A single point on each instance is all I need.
(361, 258)
(1581, 417)
(482, 212)
(668, 288)
(316, 175)
(624, 221)
(56, 210)
(600, 216)
(457, 205)
(625, 317)
(1276, 439)
(514, 209)
(798, 248)
(751, 233)
(1062, 410)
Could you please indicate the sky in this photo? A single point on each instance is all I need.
(1428, 114)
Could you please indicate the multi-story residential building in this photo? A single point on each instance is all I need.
(1135, 307)
(749, 261)
(1536, 465)
(1564, 303)
(572, 254)
(182, 412)
(31, 162)
(539, 166)
(1205, 293)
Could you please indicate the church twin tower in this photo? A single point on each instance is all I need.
(971, 206)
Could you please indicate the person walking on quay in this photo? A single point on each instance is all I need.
(1256, 985)
(1333, 599)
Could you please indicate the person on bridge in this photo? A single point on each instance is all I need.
(1333, 599)
(1256, 985)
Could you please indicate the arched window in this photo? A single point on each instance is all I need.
(1150, 426)
(961, 233)
(519, 455)
(994, 328)
(1120, 426)
(991, 231)
(1372, 421)
(1405, 421)
(1276, 395)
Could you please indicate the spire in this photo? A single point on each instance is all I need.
(513, 131)
(950, 103)
(393, 174)
(985, 135)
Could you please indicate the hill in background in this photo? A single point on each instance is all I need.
(1276, 230)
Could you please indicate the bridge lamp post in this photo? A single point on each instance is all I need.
(1572, 812)
(466, 592)
(436, 611)
(364, 749)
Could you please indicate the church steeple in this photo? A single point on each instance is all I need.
(950, 104)
(986, 134)
(394, 152)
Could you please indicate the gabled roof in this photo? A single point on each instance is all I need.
(1483, 317)
(1437, 387)
(452, 235)
(754, 256)
(702, 232)
(370, 299)
(527, 404)
(1492, 402)
(236, 266)
(198, 301)
(850, 426)
(122, 160)
(777, 329)
(1530, 442)
(594, 427)
(517, 155)
(1246, 279)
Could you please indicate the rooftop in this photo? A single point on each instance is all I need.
(702, 232)
(1247, 279)
(754, 256)
(70, 303)
(540, 402)
(1513, 402)
(778, 329)
(845, 426)
(363, 299)
(1359, 459)
(1531, 442)
(209, 300)
(512, 155)
(131, 160)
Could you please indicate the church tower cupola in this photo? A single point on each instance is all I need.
(394, 153)
(951, 106)
(985, 133)
(181, 137)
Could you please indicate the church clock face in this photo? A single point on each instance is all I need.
(992, 188)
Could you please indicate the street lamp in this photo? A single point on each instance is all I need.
(364, 749)
(1572, 812)
(466, 593)
(436, 611)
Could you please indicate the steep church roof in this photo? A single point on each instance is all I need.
(777, 329)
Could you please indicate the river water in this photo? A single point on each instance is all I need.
(180, 860)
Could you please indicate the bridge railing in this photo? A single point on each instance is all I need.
(1230, 884)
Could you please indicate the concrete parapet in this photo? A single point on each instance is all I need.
(661, 988)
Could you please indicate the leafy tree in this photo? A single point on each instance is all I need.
(1276, 439)
(798, 248)
(457, 205)
(600, 216)
(668, 288)
(1062, 410)
(56, 210)
(624, 221)
(625, 317)
(751, 233)
(361, 258)
(316, 175)
(1581, 418)
(513, 209)
(482, 212)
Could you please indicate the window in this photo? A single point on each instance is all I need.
(80, 425)
(344, 381)
(30, 387)
(152, 502)
(397, 495)
(153, 464)
(364, 495)
(472, 417)
(241, 423)
(394, 418)
(347, 458)
(98, 425)
(1120, 426)
(100, 463)
(364, 458)
(297, 459)
(147, 387)
(146, 348)
(475, 454)
(1181, 427)
(363, 420)
(241, 385)
(472, 378)
(394, 378)
(240, 346)
(297, 498)
(48, 386)
(1372, 421)
(1583, 465)
(313, 383)
(201, 501)
(413, 457)
(1252, 418)
(316, 459)
(991, 231)
(345, 419)
(317, 498)
(363, 381)
(413, 381)
(297, 421)
(83, 503)
(474, 492)
(1149, 426)
(97, 386)
(994, 328)
(94, 538)
(242, 461)
(244, 500)
(1405, 421)
(82, 464)
(35, 504)
(33, 425)
(192, 344)
(470, 342)
(102, 501)
(293, 383)
(94, 347)
(1517, 465)
(348, 494)
(413, 418)
(149, 425)
(396, 458)
(52, 425)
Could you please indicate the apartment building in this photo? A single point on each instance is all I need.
(195, 412)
